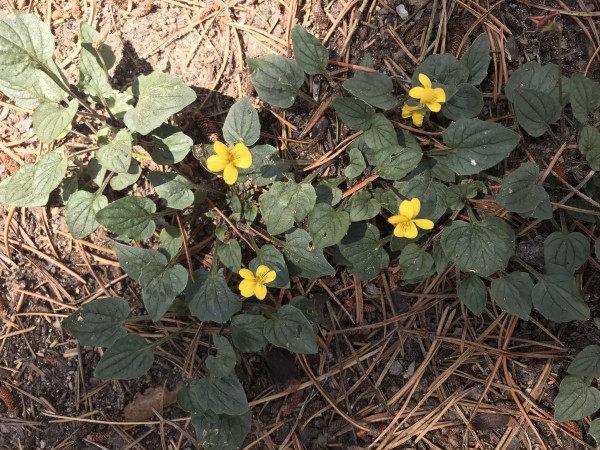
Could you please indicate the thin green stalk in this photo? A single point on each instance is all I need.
(538, 276)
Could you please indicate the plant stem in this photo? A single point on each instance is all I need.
(471, 214)
(538, 276)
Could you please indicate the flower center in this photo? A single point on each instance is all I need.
(429, 97)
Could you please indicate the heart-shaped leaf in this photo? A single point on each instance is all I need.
(556, 296)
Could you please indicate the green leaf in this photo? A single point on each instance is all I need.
(439, 257)
(566, 249)
(431, 193)
(589, 145)
(218, 395)
(415, 263)
(267, 167)
(381, 133)
(442, 69)
(115, 153)
(585, 97)
(519, 192)
(467, 102)
(328, 192)
(303, 259)
(288, 328)
(123, 180)
(363, 206)
(276, 79)
(210, 299)
(32, 184)
(513, 294)
(576, 399)
(120, 102)
(173, 188)
(594, 430)
(586, 363)
(326, 225)
(356, 165)
(223, 364)
(99, 323)
(457, 195)
(222, 432)
(230, 255)
(50, 119)
(25, 44)
(354, 112)
(170, 241)
(362, 251)
(309, 52)
(129, 357)
(133, 260)
(556, 296)
(472, 292)
(269, 256)
(535, 110)
(597, 248)
(477, 59)
(172, 145)
(81, 213)
(161, 282)
(533, 76)
(247, 332)
(398, 162)
(93, 65)
(129, 216)
(285, 202)
(68, 187)
(481, 247)
(477, 145)
(308, 308)
(159, 96)
(372, 88)
(241, 123)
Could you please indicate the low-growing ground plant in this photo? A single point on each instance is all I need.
(414, 210)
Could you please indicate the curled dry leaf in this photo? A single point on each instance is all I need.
(153, 399)
(486, 421)
(11, 402)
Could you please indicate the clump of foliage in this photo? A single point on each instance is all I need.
(310, 227)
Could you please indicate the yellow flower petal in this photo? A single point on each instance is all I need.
(440, 94)
(247, 288)
(246, 274)
(401, 228)
(425, 81)
(416, 204)
(216, 163)
(260, 291)
(242, 157)
(261, 271)
(411, 230)
(221, 149)
(417, 118)
(406, 112)
(425, 224)
(395, 220)
(230, 174)
(407, 210)
(269, 276)
(435, 107)
(417, 92)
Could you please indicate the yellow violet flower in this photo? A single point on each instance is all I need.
(255, 284)
(406, 224)
(416, 112)
(432, 98)
(227, 160)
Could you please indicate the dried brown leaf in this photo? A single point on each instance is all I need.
(486, 421)
(143, 405)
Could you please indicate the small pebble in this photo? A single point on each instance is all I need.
(402, 12)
